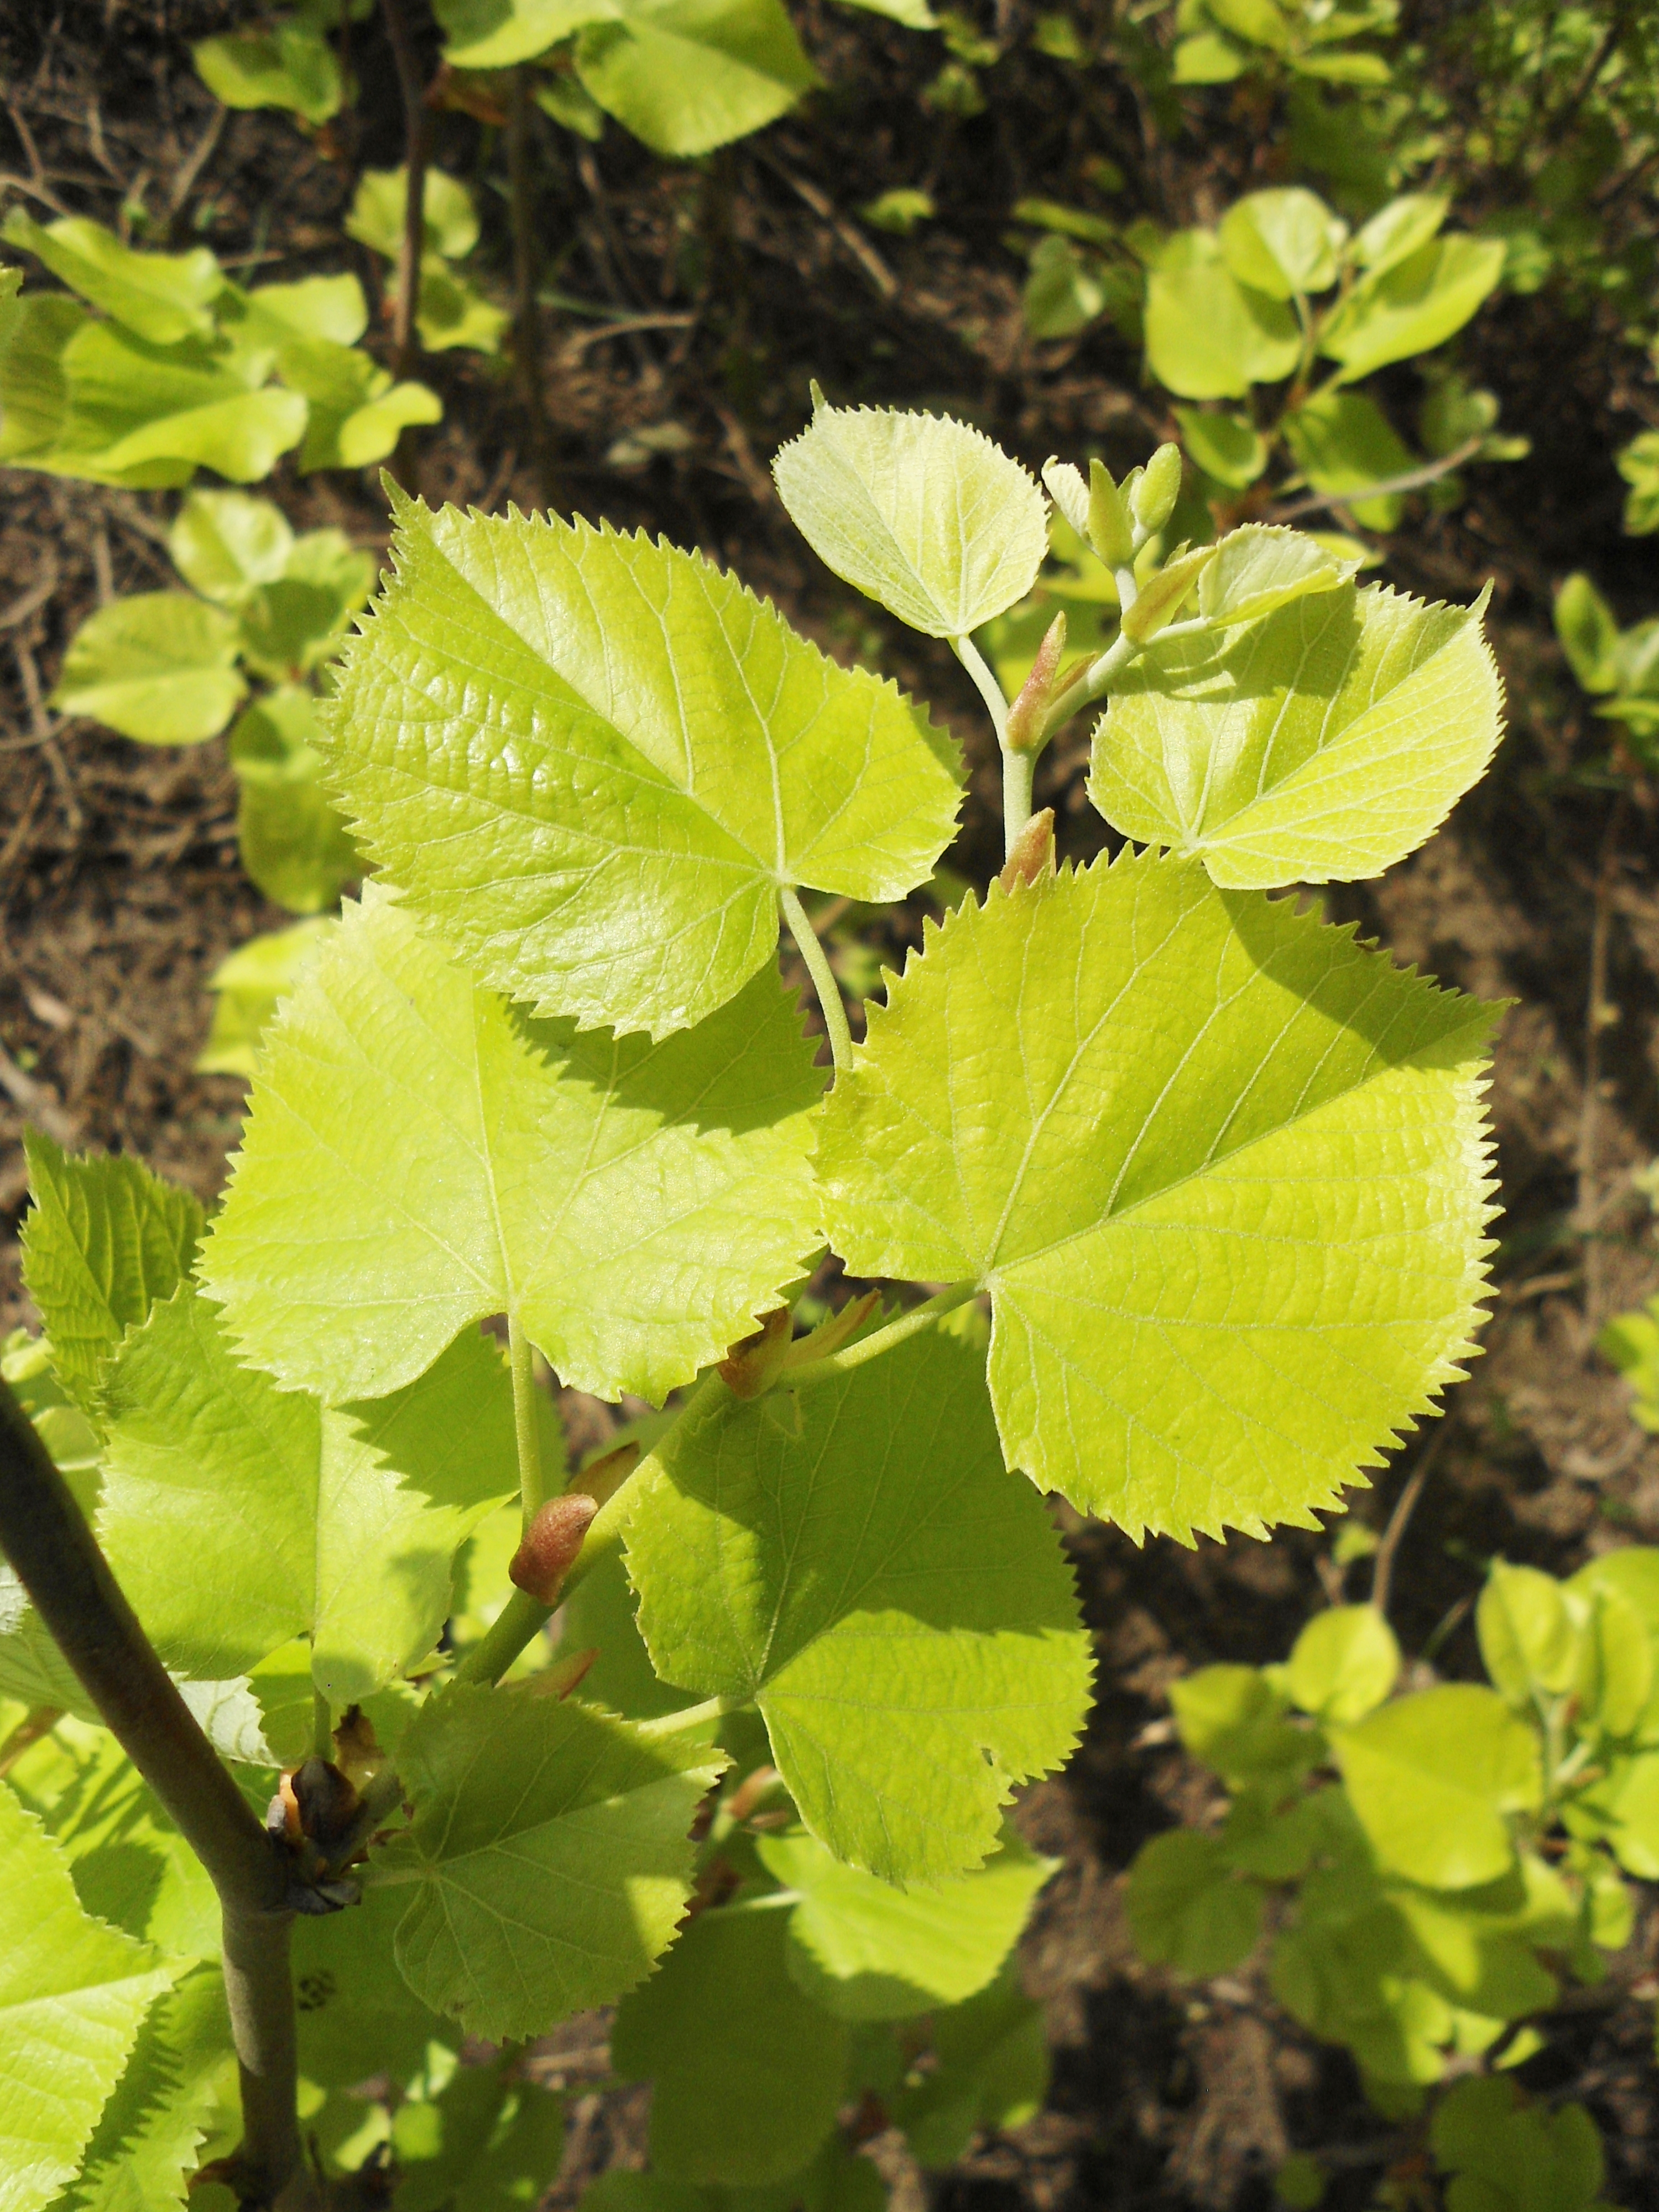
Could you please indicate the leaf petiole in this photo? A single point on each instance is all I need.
(881, 1339)
(692, 1716)
(824, 977)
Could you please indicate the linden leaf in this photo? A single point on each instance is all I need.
(900, 1612)
(1320, 745)
(549, 1845)
(293, 1517)
(103, 1241)
(748, 2071)
(865, 1950)
(72, 1996)
(919, 512)
(634, 1206)
(594, 761)
(1222, 1170)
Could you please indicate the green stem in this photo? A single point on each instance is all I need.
(824, 978)
(693, 1716)
(527, 1426)
(883, 1340)
(1019, 772)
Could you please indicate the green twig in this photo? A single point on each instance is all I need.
(824, 978)
(984, 682)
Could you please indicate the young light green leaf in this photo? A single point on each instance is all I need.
(1412, 305)
(341, 1523)
(451, 313)
(598, 803)
(293, 844)
(1235, 1719)
(160, 667)
(919, 512)
(224, 544)
(449, 220)
(687, 76)
(146, 416)
(1208, 336)
(103, 1241)
(1589, 631)
(549, 1853)
(1262, 567)
(634, 1206)
(1431, 1778)
(1164, 593)
(1397, 231)
(1187, 1908)
(1228, 447)
(1324, 743)
(484, 34)
(1343, 1664)
(248, 986)
(182, 2072)
(159, 297)
(353, 411)
(1218, 1146)
(72, 1996)
(1283, 242)
(289, 67)
(748, 2071)
(900, 1612)
(866, 1951)
(1343, 442)
(1529, 1639)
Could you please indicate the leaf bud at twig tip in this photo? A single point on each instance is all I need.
(1023, 733)
(1110, 532)
(604, 1477)
(551, 1544)
(1034, 852)
(1159, 487)
(750, 1368)
(564, 1676)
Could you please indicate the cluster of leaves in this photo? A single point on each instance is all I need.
(171, 668)
(1218, 1169)
(1619, 668)
(1435, 1859)
(169, 367)
(1244, 312)
(1220, 41)
(448, 311)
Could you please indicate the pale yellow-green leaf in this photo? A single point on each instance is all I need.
(1321, 744)
(1221, 1169)
(920, 511)
(418, 1158)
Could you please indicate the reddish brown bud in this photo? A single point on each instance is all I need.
(1034, 852)
(1024, 734)
(559, 1680)
(551, 1544)
(750, 1368)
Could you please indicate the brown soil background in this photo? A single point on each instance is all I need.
(745, 275)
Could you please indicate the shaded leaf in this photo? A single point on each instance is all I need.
(636, 1206)
(549, 1853)
(900, 1612)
